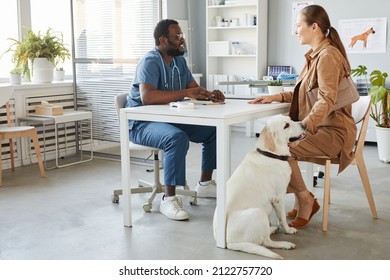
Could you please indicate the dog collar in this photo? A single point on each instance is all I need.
(271, 155)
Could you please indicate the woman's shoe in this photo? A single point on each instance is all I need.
(299, 222)
(293, 213)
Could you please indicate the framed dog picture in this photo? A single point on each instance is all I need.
(366, 35)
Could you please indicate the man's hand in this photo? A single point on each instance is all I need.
(217, 96)
(199, 93)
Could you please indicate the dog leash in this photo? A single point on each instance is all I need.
(271, 155)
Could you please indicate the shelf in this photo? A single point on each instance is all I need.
(225, 61)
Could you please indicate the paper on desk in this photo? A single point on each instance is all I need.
(205, 102)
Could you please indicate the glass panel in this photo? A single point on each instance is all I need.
(110, 37)
(56, 15)
(8, 19)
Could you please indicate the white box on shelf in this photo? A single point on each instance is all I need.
(217, 48)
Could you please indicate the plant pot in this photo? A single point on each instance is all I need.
(275, 89)
(59, 75)
(42, 71)
(383, 141)
(15, 79)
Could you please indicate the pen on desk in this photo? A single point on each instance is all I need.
(214, 103)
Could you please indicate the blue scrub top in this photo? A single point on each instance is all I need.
(151, 69)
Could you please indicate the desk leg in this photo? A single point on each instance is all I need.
(223, 173)
(249, 128)
(125, 167)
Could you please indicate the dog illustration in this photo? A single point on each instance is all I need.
(362, 37)
(259, 185)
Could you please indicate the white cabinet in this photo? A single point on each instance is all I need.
(236, 39)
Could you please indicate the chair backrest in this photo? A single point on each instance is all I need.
(360, 108)
(120, 101)
(8, 112)
(361, 113)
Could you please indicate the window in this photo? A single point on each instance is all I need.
(9, 19)
(34, 14)
(110, 37)
(59, 20)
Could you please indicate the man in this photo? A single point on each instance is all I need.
(161, 77)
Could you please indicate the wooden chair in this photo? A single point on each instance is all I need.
(9, 132)
(145, 187)
(361, 113)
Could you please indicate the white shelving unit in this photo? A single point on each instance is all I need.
(247, 25)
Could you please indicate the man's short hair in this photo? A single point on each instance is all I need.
(162, 29)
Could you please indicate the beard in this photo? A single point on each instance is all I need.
(174, 51)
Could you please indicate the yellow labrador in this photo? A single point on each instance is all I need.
(259, 185)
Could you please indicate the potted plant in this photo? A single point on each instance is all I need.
(38, 53)
(275, 87)
(15, 76)
(380, 111)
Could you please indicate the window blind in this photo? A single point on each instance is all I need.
(110, 36)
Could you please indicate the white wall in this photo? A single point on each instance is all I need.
(284, 48)
(177, 9)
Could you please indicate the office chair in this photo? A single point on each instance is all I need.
(9, 132)
(143, 186)
(360, 113)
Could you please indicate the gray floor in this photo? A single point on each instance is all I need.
(69, 215)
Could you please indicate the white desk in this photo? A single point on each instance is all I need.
(220, 116)
(68, 116)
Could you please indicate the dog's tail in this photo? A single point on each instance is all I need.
(253, 248)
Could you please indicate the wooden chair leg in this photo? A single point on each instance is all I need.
(366, 184)
(326, 196)
(11, 154)
(34, 137)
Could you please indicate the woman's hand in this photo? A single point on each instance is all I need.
(263, 99)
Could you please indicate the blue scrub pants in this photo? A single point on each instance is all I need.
(174, 140)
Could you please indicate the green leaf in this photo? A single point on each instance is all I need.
(359, 71)
(377, 78)
(377, 93)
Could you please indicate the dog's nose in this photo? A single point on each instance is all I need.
(303, 126)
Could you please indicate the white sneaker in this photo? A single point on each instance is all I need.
(171, 207)
(210, 190)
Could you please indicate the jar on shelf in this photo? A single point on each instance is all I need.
(236, 48)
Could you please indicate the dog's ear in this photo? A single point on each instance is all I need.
(269, 139)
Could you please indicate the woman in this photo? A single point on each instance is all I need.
(329, 132)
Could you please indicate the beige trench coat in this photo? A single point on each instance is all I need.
(332, 133)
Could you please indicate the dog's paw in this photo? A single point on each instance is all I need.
(291, 230)
(288, 230)
(289, 245)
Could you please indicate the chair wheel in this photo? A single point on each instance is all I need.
(115, 198)
(314, 181)
(193, 200)
(321, 174)
(147, 207)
